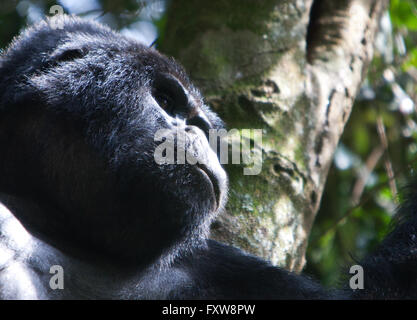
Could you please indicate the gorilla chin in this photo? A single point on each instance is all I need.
(80, 107)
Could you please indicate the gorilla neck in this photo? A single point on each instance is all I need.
(32, 217)
(35, 221)
(90, 279)
(26, 211)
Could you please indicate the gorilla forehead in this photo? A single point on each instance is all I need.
(82, 59)
(48, 40)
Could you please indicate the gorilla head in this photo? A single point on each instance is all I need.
(81, 112)
(79, 109)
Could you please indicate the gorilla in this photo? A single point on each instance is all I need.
(80, 106)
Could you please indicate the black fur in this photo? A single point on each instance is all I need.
(79, 108)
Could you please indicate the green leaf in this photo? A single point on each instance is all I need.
(404, 13)
(411, 61)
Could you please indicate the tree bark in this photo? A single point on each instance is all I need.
(291, 68)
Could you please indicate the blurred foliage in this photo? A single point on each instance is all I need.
(378, 147)
(121, 15)
(377, 153)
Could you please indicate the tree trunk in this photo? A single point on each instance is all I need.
(291, 68)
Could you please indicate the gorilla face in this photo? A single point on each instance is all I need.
(79, 110)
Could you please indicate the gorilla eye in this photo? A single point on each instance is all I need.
(165, 101)
(171, 95)
(70, 55)
(67, 54)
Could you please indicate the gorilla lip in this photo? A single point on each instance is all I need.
(213, 180)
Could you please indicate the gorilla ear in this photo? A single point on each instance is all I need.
(67, 54)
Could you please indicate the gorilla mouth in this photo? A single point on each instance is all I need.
(213, 180)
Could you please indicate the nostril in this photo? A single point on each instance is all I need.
(178, 122)
(199, 122)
